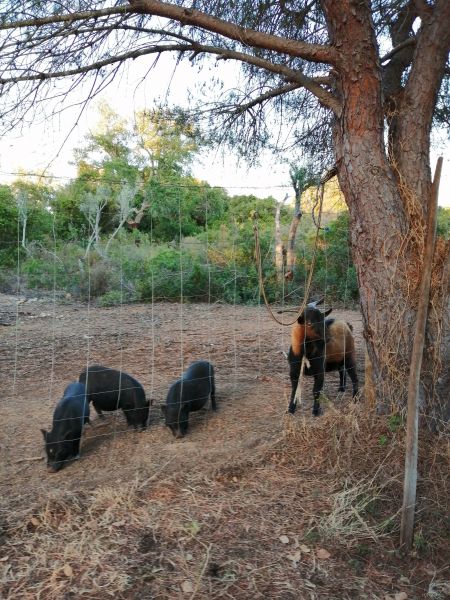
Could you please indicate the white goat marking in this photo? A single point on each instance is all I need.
(298, 391)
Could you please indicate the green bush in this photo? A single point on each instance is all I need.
(443, 222)
(334, 273)
(170, 276)
(98, 278)
(8, 282)
(58, 268)
(115, 298)
(8, 228)
(217, 265)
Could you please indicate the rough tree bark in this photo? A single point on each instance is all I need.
(386, 199)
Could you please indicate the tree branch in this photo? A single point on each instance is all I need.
(250, 37)
(423, 9)
(401, 33)
(409, 42)
(47, 63)
(269, 95)
(99, 64)
(427, 70)
(292, 75)
(32, 43)
(416, 105)
(69, 17)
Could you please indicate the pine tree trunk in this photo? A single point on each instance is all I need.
(386, 217)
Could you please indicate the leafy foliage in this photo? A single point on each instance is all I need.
(443, 222)
(193, 242)
(8, 227)
(335, 275)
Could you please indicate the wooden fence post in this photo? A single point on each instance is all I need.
(412, 423)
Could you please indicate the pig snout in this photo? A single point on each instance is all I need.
(54, 468)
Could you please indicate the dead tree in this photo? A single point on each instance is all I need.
(301, 179)
(280, 250)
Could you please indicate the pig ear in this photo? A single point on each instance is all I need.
(44, 433)
(163, 408)
(327, 312)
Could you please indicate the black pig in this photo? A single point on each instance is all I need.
(109, 389)
(62, 443)
(189, 393)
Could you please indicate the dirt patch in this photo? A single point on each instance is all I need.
(231, 511)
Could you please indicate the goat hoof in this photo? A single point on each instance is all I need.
(341, 389)
(317, 412)
(291, 410)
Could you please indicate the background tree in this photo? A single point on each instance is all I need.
(92, 208)
(124, 201)
(320, 62)
(22, 209)
(150, 154)
(301, 179)
(33, 201)
(280, 248)
(8, 227)
(168, 140)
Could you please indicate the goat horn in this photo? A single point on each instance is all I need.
(317, 302)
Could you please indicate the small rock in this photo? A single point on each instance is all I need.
(187, 587)
(284, 539)
(295, 557)
(68, 571)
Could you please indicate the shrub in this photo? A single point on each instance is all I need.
(334, 273)
(116, 297)
(217, 265)
(44, 269)
(98, 279)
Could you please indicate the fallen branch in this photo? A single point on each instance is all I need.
(29, 459)
(205, 564)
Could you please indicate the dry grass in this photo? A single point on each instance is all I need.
(403, 259)
(253, 503)
(309, 513)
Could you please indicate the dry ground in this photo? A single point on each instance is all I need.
(251, 504)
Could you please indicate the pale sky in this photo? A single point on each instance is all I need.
(39, 147)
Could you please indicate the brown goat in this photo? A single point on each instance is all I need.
(327, 345)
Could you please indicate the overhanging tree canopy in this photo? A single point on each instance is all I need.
(341, 74)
